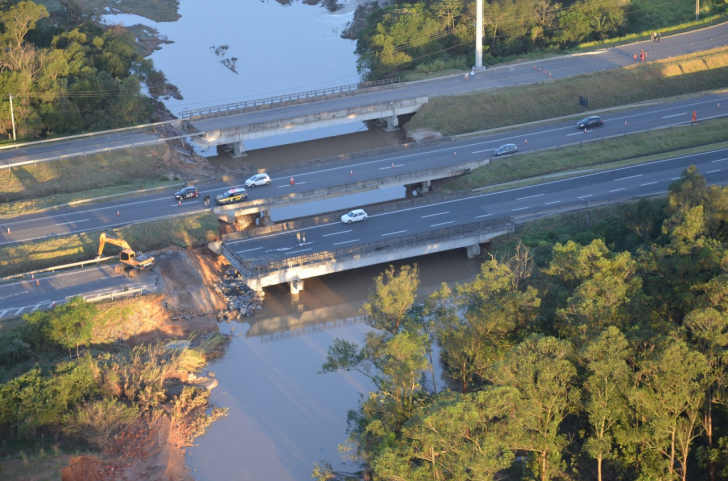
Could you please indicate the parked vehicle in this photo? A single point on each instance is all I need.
(505, 150)
(355, 215)
(593, 121)
(231, 196)
(187, 193)
(257, 179)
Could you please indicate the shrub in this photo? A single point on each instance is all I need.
(96, 422)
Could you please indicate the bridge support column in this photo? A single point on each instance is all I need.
(392, 123)
(473, 251)
(239, 150)
(426, 186)
(295, 286)
(265, 218)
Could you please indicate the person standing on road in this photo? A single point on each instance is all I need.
(206, 199)
(298, 237)
(658, 37)
(642, 55)
(653, 35)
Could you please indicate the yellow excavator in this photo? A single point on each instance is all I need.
(131, 262)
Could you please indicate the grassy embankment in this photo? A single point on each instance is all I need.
(487, 110)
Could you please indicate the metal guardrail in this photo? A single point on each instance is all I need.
(57, 268)
(229, 108)
(456, 232)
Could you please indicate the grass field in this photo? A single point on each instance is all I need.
(29, 188)
(637, 148)
(512, 106)
(186, 231)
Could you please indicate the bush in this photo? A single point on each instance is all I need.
(96, 422)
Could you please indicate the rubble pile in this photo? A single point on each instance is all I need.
(242, 301)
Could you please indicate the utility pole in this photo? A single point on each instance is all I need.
(479, 35)
(12, 114)
(697, 10)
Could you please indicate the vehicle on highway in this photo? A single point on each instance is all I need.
(355, 215)
(505, 150)
(231, 196)
(186, 193)
(258, 179)
(593, 121)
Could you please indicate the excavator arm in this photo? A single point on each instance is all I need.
(103, 240)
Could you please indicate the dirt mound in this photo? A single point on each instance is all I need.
(187, 277)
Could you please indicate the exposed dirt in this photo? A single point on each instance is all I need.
(154, 449)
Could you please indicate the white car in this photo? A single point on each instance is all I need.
(257, 179)
(354, 216)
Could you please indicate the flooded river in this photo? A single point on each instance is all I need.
(283, 416)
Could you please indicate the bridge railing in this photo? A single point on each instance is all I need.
(449, 233)
(227, 109)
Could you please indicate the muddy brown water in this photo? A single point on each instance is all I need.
(284, 415)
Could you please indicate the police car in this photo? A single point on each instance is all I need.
(237, 194)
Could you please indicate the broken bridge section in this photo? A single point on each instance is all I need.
(295, 270)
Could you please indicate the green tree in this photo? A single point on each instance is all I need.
(540, 371)
(68, 325)
(391, 299)
(605, 388)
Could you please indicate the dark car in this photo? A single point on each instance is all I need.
(237, 194)
(592, 121)
(186, 193)
(505, 150)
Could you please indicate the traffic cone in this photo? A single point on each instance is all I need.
(534, 67)
(53, 304)
(584, 129)
(454, 154)
(32, 276)
(8, 230)
(393, 165)
(179, 202)
(37, 282)
(118, 213)
(525, 141)
(351, 172)
(549, 74)
(625, 123)
(292, 181)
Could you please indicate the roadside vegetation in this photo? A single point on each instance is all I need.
(66, 385)
(633, 149)
(185, 231)
(685, 75)
(576, 354)
(434, 35)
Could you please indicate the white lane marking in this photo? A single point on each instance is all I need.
(302, 250)
(585, 196)
(630, 177)
(392, 233)
(433, 215)
(719, 160)
(442, 223)
(520, 208)
(712, 171)
(290, 185)
(481, 151)
(74, 222)
(675, 115)
(250, 250)
(530, 196)
(649, 183)
(582, 132)
(617, 190)
(17, 313)
(346, 242)
(391, 166)
(554, 202)
(676, 178)
(484, 215)
(337, 233)
(36, 307)
(2, 313)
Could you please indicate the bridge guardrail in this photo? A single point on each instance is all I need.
(456, 232)
(227, 109)
(57, 268)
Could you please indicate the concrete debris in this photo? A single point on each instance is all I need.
(242, 301)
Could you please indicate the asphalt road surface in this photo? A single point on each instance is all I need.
(124, 211)
(503, 76)
(612, 185)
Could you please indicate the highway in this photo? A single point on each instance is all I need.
(622, 183)
(501, 76)
(138, 208)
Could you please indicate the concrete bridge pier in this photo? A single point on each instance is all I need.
(392, 123)
(295, 286)
(426, 186)
(473, 251)
(236, 149)
(265, 219)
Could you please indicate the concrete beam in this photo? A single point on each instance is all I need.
(301, 272)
